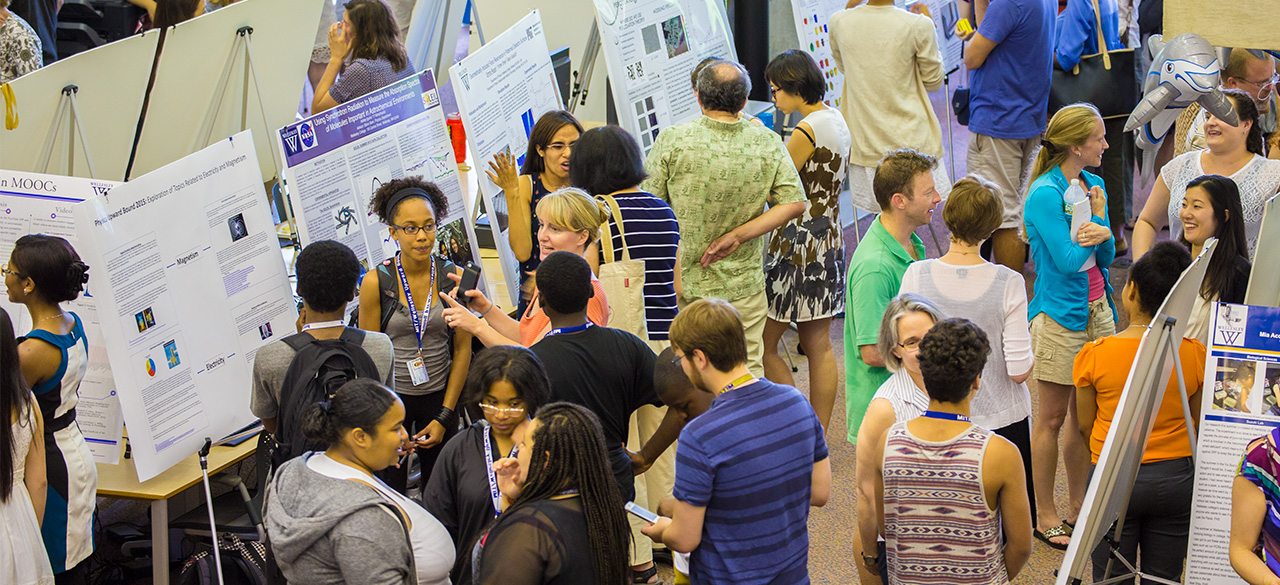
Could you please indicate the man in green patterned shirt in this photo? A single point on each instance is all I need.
(717, 172)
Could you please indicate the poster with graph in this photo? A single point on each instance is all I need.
(650, 48)
(811, 18)
(336, 160)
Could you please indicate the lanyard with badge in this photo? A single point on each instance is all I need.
(494, 493)
(740, 382)
(945, 416)
(324, 324)
(417, 366)
(565, 330)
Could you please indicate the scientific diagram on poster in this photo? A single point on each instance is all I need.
(811, 18)
(336, 160)
(32, 203)
(650, 48)
(192, 283)
(945, 15)
(502, 89)
(1241, 383)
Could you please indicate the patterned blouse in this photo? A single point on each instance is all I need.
(1261, 465)
(19, 49)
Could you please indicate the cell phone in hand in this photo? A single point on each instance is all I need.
(640, 513)
(470, 278)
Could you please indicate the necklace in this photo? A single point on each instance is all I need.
(62, 314)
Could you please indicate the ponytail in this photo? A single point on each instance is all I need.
(358, 404)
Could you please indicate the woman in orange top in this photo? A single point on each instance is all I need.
(570, 221)
(1159, 513)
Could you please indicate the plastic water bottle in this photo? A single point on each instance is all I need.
(1075, 193)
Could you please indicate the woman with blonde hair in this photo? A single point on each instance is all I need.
(570, 221)
(1072, 301)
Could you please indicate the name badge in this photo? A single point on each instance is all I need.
(418, 371)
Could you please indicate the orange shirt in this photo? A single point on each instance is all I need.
(534, 323)
(1105, 363)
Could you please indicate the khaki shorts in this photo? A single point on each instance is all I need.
(1056, 346)
(1007, 163)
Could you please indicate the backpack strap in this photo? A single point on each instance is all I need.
(352, 335)
(388, 296)
(299, 340)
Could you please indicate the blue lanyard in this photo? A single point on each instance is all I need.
(494, 493)
(575, 329)
(946, 416)
(408, 297)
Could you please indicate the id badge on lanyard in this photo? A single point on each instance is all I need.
(417, 366)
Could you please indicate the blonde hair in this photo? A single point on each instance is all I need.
(973, 212)
(573, 209)
(1071, 126)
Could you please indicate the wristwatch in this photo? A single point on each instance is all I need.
(871, 564)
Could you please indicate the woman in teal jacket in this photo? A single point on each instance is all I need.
(1071, 305)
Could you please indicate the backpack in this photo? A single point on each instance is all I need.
(389, 290)
(318, 369)
(242, 564)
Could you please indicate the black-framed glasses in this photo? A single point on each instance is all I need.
(6, 271)
(910, 345)
(413, 230)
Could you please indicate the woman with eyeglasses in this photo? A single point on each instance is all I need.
(402, 300)
(544, 171)
(508, 384)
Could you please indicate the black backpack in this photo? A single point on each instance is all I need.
(242, 564)
(319, 368)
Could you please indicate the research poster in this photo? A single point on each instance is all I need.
(192, 283)
(945, 15)
(650, 48)
(1241, 383)
(32, 203)
(336, 160)
(502, 89)
(811, 18)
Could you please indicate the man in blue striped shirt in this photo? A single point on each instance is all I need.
(748, 469)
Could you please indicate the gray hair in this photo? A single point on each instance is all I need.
(723, 86)
(897, 309)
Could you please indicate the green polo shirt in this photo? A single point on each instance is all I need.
(717, 176)
(875, 275)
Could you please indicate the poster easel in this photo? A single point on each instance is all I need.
(68, 116)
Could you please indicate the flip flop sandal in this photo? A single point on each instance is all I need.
(1055, 532)
(645, 575)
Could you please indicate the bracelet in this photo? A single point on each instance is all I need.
(486, 311)
(445, 416)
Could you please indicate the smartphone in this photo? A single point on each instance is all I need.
(470, 278)
(640, 513)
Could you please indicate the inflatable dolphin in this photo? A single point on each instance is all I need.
(1185, 71)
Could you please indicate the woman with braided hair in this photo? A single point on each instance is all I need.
(562, 504)
(44, 272)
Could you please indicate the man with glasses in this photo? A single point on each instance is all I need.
(718, 173)
(1247, 73)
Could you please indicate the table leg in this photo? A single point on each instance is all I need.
(160, 542)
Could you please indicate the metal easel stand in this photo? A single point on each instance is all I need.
(68, 113)
(208, 498)
(1169, 345)
(582, 77)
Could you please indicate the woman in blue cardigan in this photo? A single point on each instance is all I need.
(1071, 305)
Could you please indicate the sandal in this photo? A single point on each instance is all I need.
(1060, 530)
(649, 575)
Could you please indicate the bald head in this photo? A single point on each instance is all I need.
(723, 87)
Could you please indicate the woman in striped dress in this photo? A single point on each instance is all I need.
(43, 272)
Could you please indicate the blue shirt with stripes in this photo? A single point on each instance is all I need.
(653, 236)
(749, 461)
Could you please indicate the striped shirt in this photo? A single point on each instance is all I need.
(652, 236)
(749, 461)
(908, 400)
(938, 527)
(1261, 466)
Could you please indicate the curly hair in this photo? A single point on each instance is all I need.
(952, 354)
(382, 202)
(327, 275)
(52, 264)
(564, 283)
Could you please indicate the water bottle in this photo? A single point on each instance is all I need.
(1075, 193)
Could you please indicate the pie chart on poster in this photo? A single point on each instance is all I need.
(151, 367)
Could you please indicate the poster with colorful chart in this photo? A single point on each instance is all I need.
(811, 18)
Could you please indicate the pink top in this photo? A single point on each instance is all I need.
(1097, 286)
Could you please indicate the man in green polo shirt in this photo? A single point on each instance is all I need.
(718, 172)
(904, 188)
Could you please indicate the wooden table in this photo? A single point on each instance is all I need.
(121, 481)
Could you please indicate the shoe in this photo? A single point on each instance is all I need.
(1055, 532)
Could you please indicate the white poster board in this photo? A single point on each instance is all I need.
(193, 284)
(1232, 414)
(111, 81)
(192, 95)
(502, 89)
(29, 204)
(651, 47)
(811, 17)
(945, 16)
(1264, 279)
(334, 162)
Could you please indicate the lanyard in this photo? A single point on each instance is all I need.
(494, 493)
(323, 325)
(946, 416)
(574, 329)
(746, 379)
(408, 297)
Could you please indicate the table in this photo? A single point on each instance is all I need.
(121, 481)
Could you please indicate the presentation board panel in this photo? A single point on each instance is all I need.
(193, 284)
(1241, 382)
(811, 17)
(502, 89)
(191, 86)
(651, 47)
(335, 161)
(1224, 23)
(111, 82)
(32, 203)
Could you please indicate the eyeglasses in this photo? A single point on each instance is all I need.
(1264, 87)
(910, 345)
(676, 360)
(412, 230)
(495, 410)
(773, 91)
(6, 271)
(558, 147)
